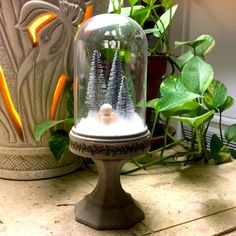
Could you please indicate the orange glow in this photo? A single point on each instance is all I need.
(57, 94)
(38, 24)
(14, 116)
(88, 14)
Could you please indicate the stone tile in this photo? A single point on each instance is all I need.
(170, 198)
(46, 207)
(216, 224)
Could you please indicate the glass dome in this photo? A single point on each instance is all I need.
(110, 77)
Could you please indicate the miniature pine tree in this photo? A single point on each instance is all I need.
(96, 84)
(125, 106)
(114, 80)
(102, 87)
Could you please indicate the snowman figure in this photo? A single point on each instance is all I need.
(106, 114)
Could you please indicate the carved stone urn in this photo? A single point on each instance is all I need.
(36, 67)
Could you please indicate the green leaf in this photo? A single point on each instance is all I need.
(173, 85)
(153, 103)
(148, 2)
(182, 109)
(216, 95)
(132, 2)
(192, 44)
(164, 21)
(197, 75)
(70, 101)
(43, 127)
(206, 46)
(59, 143)
(151, 31)
(195, 122)
(167, 3)
(125, 11)
(109, 53)
(215, 144)
(174, 94)
(233, 153)
(230, 133)
(227, 104)
(223, 156)
(184, 58)
(140, 15)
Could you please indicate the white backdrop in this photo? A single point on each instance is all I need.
(217, 18)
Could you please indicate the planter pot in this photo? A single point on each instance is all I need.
(36, 59)
(155, 71)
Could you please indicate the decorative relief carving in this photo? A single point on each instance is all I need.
(94, 149)
(33, 60)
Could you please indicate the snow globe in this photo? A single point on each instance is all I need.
(110, 95)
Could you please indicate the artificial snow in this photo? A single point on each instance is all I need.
(92, 126)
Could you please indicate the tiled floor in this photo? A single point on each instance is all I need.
(190, 201)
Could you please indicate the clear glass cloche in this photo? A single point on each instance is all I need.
(110, 77)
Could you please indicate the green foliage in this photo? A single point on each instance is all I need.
(215, 144)
(43, 127)
(163, 22)
(222, 156)
(216, 95)
(219, 152)
(108, 54)
(192, 97)
(59, 143)
(173, 85)
(167, 3)
(192, 44)
(227, 104)
(59, 139)
(143, 14)
(206, 46)
(230, 133)
(197, 75)
(184, 58)
(195, 122)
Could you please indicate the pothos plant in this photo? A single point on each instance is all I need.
(192, 97)
(154, 16)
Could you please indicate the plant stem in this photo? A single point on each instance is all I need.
(220, 127)
(165, 136)
(204, 145)
(154, 123)
(199, 141)
(143, 166)
(150, 153)
(155, 162)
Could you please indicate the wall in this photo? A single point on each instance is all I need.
(217, 18)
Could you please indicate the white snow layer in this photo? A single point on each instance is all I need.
(92, 125)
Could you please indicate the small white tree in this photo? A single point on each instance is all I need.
(114, 81)
(125, 106)
(96, 88)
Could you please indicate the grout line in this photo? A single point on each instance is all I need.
(199, 218)
(226, 232)
(85, 180)
(147, 228)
